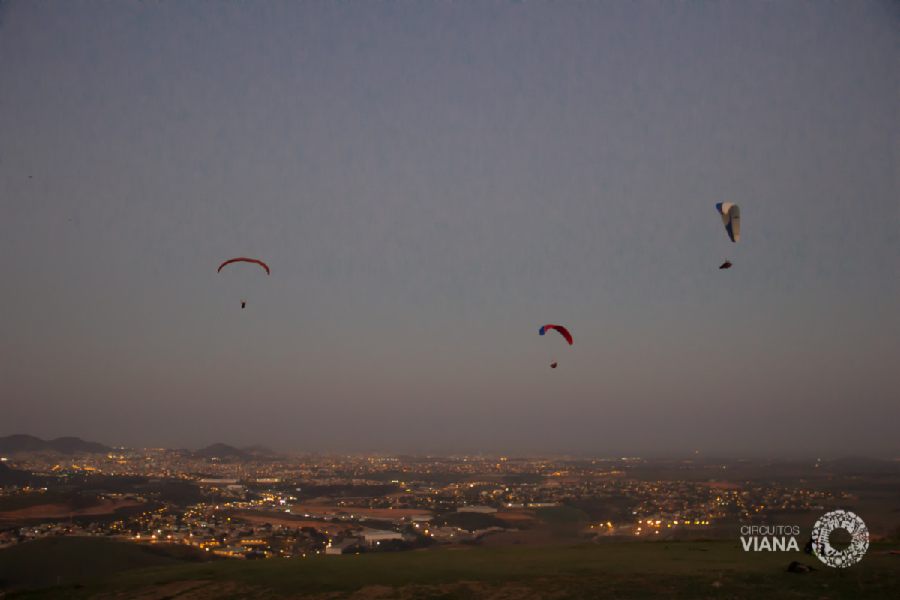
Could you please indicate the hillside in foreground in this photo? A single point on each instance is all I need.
(70, 560)
(619, 570)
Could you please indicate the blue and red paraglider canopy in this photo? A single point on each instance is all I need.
(562, 331)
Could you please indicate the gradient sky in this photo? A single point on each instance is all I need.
(430, 183)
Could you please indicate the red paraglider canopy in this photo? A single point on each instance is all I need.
(251, 260)
(562, 330)
(553, 366)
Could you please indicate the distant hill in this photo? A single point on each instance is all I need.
(261, 451)
(222, 451)
(860, 465)
(21, 442)
(74, 445)
(65, 445)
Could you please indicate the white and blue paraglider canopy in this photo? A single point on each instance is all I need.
(731, 217)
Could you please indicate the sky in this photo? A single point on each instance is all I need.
(430, 183)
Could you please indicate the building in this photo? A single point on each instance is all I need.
(375, 535)
(232, 551)
(477, 509)
(420, 518)
(340, 546)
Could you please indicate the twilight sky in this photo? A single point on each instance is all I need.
(430, 183)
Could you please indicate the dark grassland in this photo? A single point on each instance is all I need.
(71, 560)
(616, 570)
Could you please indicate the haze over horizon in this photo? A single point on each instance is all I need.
(695, 456)
(429, 185)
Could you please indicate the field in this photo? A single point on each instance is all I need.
(64, 510)
(70, 560)
(616, 570)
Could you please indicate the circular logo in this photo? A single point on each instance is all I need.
(840, 519)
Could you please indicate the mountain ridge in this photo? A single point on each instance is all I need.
(22, 442)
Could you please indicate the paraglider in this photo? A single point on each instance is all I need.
(249, 260)
(562, 331)
(731, 218)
